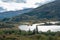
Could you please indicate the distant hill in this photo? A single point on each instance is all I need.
(17, 1)
(50, 11)
(9, 14)
(2, 9)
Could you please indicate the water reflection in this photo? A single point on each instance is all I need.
(40, 28)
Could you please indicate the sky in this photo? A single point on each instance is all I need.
(21, 4)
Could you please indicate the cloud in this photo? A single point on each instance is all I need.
(13, 5)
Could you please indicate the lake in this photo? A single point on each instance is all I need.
(43, 28)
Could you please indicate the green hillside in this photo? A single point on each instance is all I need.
(50, 11)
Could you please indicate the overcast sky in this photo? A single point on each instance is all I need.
(21, 4)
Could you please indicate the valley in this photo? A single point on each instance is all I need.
(41, 23)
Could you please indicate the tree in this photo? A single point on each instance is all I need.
(29, 32)
(33, 31)
(50, 37)
(36, 29)
(49, 32)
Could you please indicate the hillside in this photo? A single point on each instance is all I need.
(50, 11)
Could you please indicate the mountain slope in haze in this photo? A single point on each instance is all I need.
(9, 14)
(50, 11)
(17, 1)
(2, 9)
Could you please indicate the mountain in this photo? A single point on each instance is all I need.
(17, 1)
(2, 9)
(50, 11)
(9, 14)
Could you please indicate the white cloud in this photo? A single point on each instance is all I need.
(18, 6)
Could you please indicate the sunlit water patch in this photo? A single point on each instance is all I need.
(40, 28)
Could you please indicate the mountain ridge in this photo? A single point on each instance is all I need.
(2, 9)
(8, 14)
(50, 11)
